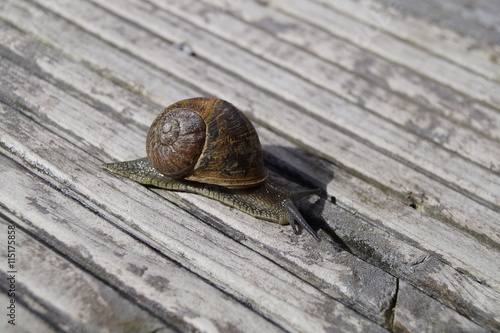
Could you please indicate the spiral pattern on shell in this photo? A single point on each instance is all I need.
(206, 140)
(178, 131)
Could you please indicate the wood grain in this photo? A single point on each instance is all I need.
(79, 303)
(393, 113)
(197, 246)
(436, 196)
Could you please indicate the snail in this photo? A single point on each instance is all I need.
(207, 146)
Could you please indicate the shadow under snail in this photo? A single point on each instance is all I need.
(207, 146)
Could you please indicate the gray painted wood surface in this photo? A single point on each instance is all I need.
(391, 108)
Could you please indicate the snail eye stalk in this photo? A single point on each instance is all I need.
(297, 217)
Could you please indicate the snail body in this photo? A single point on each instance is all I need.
(208, 147)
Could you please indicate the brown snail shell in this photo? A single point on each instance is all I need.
(207, 140)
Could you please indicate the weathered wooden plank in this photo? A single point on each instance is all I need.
(422, 269)
(66, 296)
(285, 299)
(478, 19)
(331, 109)
(383, 44)
(358, 156)
(412, 307)
(446, 43)
(85, 83)
(54, 66)
(29, 322)
(117, 104)
(67, 123)
(400, 257)
(124, 149)
(330, 49)
(225, 80)
(80, 120)
(172, 293)
(207, 206)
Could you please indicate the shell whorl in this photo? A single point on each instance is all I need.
(206, 140)
(179, 130)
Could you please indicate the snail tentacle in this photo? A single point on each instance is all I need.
(297, 217)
